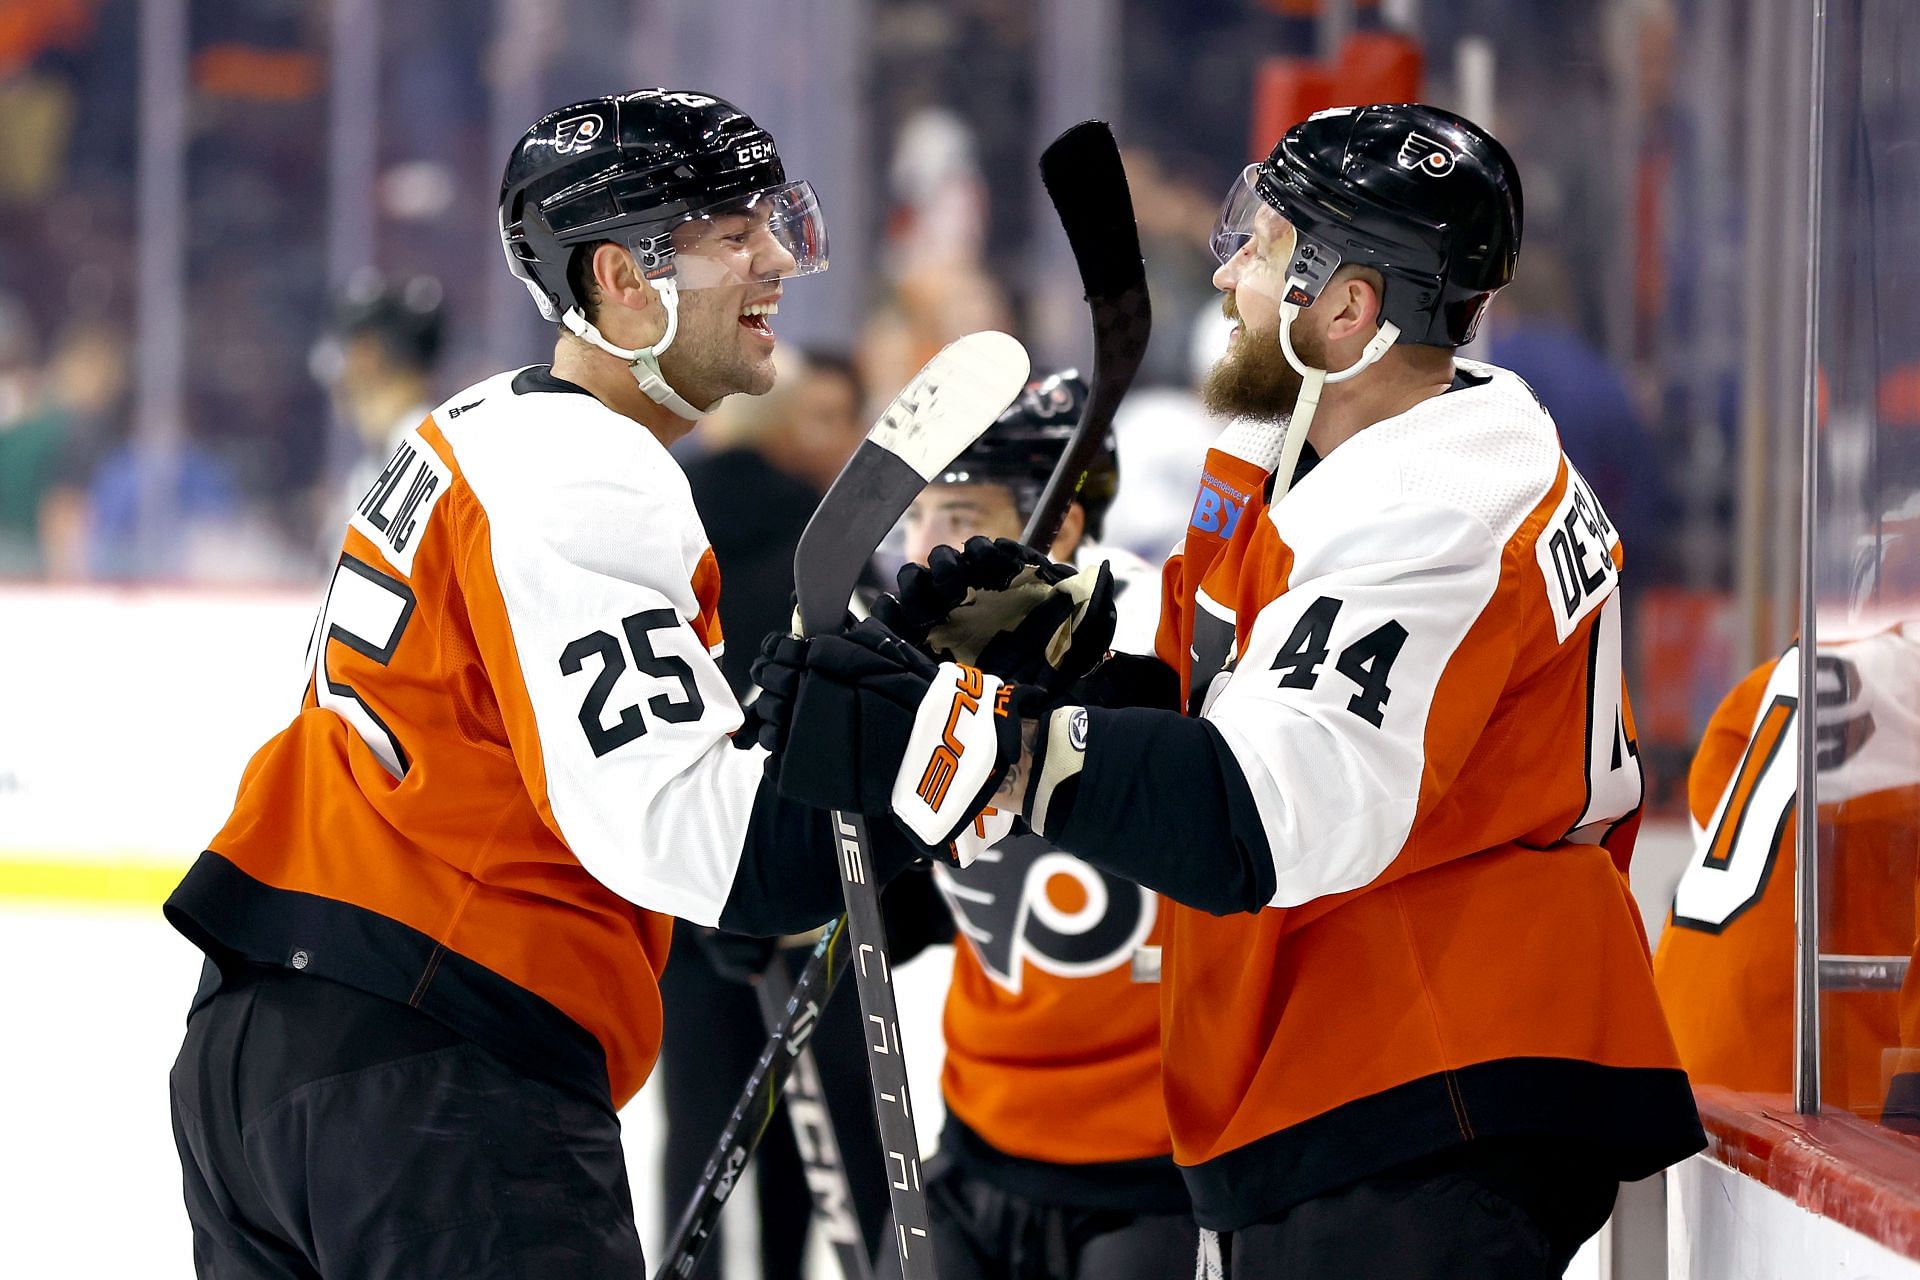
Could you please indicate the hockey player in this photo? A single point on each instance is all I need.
(1409, 1022)
(1725, 965)
(436, 917)
(1043, 1019)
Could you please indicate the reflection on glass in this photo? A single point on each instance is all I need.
(1866, 556)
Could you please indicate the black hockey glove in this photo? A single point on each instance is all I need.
(1006, 609)
(865, 722)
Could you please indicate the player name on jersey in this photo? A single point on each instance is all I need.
(396, 506)
(1575, 552)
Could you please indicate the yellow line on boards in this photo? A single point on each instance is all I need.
(118, 882)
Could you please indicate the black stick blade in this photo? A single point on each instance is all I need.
(1087, 184)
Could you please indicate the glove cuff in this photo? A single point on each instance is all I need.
(955, 757)
(1060, 752)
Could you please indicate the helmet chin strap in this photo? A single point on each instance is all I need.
(1312, 381)
(644, 363)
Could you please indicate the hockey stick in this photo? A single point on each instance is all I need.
(1088, 187)
(947, 406)
(929, 425)
(748, 1122)
(813, 1130)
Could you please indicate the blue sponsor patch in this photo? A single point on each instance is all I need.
(1217, 510)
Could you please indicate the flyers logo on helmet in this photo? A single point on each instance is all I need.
(1424, 154)
(577, 134)
(945, 762)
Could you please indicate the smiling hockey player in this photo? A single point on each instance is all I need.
(436, 917)
(1409, 1023)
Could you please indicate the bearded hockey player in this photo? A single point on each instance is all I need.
(1043, 1019)
(1409, 1024)
(436, 918)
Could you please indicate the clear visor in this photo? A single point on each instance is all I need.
(768, 235)
(1260, 250)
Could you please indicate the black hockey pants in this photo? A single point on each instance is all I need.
(1494, 1210)
(325, 1133)
(982, 1233)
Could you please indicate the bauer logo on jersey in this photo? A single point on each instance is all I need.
(1575, 551)
(1427, 156)
(1020, 901)
(394, 511)
(577, 134)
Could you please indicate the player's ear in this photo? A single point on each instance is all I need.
(619, 278)
(1359, 296)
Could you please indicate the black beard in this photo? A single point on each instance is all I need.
(1254, 380)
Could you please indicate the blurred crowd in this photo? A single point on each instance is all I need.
(1625, 116)
(278, 412)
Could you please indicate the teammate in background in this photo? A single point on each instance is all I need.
(1409, 1022)
(1043, 1019)
(1725, 965)
(436, 918)
(378, 364)
(756, 497)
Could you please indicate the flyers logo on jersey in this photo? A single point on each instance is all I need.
(1020, 901)
(945, 762)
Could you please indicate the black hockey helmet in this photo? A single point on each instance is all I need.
(634, 168)
(406, 317)
(1025, 443)
(1426, 198)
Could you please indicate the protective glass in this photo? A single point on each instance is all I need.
(1261, 249)
(765, 236)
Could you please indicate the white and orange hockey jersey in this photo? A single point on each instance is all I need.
(1043, 1017)
(1725, 966)
(1408, 677)
(512, 763)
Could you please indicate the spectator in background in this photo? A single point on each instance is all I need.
(87, 381)
(756, 492)
(29, 441)
(1534, 333)
(1175, 215)
(1164, 434)
(775, 455)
